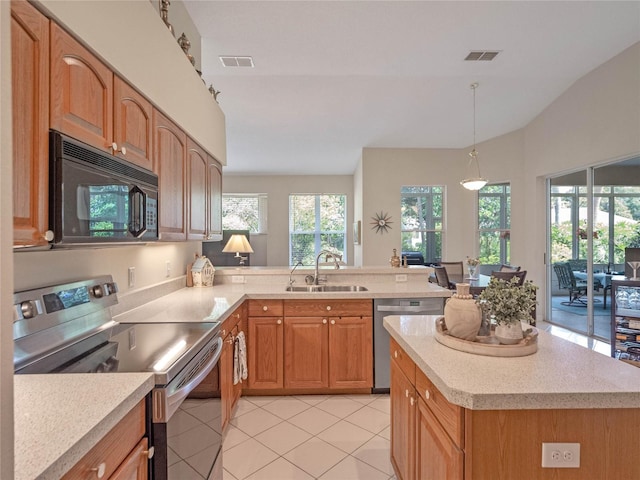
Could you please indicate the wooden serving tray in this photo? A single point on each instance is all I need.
(489, 346)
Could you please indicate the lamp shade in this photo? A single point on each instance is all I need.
(238, 244)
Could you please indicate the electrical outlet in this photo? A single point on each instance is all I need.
(401, 278)
(168, 269)
(560, 455)
(237, 278)
(132, 277)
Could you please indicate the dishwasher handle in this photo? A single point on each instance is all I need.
(409, 309)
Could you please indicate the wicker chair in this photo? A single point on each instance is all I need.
(508, 275)
(567, 281)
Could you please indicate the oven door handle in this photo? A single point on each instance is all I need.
(175, 399)
(405, 308)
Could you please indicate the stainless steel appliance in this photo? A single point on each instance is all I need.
(395, 306)
(96, 198)
(68, 328)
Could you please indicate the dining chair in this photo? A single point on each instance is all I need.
(442, 277)
(509, 268)
(453, 268)
(567, 281)
(508, 275)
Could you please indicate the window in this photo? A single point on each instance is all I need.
(494, 224)
(422, 212)
(316, 222)
(244, 212)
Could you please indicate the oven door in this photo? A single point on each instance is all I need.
(187, 428)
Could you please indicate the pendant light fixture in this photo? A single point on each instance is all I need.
(477, 182)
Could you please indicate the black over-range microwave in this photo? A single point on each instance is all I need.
(97, 198)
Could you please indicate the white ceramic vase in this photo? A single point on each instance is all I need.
(462, 315)
(509, 333)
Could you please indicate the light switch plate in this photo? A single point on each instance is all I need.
(401, 278)
(237, 279)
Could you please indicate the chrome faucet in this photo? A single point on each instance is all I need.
(291, 280)
(328, 256)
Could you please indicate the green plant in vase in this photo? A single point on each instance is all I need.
(508, 303)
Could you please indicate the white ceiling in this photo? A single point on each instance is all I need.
(332, 77)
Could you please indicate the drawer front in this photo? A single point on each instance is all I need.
(404, 362)
(232, 321)
(450, 416)
(265, 308)
(114, 447)
(333, 308)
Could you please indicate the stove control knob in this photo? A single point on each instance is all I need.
(97, 291)
(29, 309)
(111, 287)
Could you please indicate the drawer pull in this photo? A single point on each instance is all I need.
(333, 322)
(149, 453)
(328, 308)
(427, 394)
(406, 393)
(324, 321)
(265, 308)
(279, 322)
(100, 470)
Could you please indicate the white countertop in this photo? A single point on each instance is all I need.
(59, 418)
(559, 375)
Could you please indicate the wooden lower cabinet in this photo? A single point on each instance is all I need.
(403, 419)
(306, 346)
(265, 355)
(230, 393)
(351, 352)
(121, 454)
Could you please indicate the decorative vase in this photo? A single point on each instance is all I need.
(462, 314)
(472, 271)
(509, 333)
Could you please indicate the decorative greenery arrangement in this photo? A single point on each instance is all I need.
(508, 302)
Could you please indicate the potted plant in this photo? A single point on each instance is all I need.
(508, 303)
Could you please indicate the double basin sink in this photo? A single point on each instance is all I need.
(326, 288)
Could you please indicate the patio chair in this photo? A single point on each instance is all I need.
(453, 268)
(442, 277)
(509, 268)
(508, 275)
(567, 281)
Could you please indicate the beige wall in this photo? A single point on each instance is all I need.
(278, 188)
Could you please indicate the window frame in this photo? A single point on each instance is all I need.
(430, 220)
(504, 228)
(262, 213)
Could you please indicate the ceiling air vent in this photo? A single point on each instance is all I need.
(229, 61)
(482, 55)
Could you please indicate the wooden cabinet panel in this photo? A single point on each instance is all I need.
(265, 348)
(265, 308)
(136, 465)
(225, 365)
(328, 307)
(403, 416)
(132, 124)
(306, 360)
(197, 170)
(30, 100)
(214, 194)
(449, 415)
(170, 148)
(404, 362)
(114, 448)
(351, 352)
(436, 454)
(82, 106)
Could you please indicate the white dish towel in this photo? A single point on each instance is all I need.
(239, 359)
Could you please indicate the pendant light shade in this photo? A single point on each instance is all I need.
(474, 182)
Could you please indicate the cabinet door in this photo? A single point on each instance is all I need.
(170, 146)
(436, 454)
(197, 169)
(226, 379)
(306, 347)
(132, 124)
(265, 353)
(82, 105)
(351, 352)
(403, 417)
(30, 96)
(136, 465)
(214, 192)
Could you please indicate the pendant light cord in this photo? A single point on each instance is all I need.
(474, 153)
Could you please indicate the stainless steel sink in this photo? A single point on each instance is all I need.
(326, 288)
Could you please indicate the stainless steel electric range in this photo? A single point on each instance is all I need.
(68, 328)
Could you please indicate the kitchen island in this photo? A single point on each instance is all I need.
(481, 417)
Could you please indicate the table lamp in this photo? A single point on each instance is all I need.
(238, 244)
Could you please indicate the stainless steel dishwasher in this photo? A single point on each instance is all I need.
(395, 306)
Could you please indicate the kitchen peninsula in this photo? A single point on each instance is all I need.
(479, 417)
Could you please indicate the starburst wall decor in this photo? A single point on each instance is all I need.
(381, 222)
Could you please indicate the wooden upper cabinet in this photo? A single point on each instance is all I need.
(30, 84)
(133, 125)
(214, 214)
(170, 146)
(82, 105)
(197, 170)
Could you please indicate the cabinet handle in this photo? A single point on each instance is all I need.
(333, 322)
(406, 393)
(48, 235)
(324, 321)
(395, 354)
(265, 308)
(224, 333)
(100, 470)
(412, 401)
(427, 394)
(149, 453)
(328, 308)
(114, 147)
(237, 315)
(279, 322)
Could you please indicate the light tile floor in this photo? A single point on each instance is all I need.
(341, 437)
